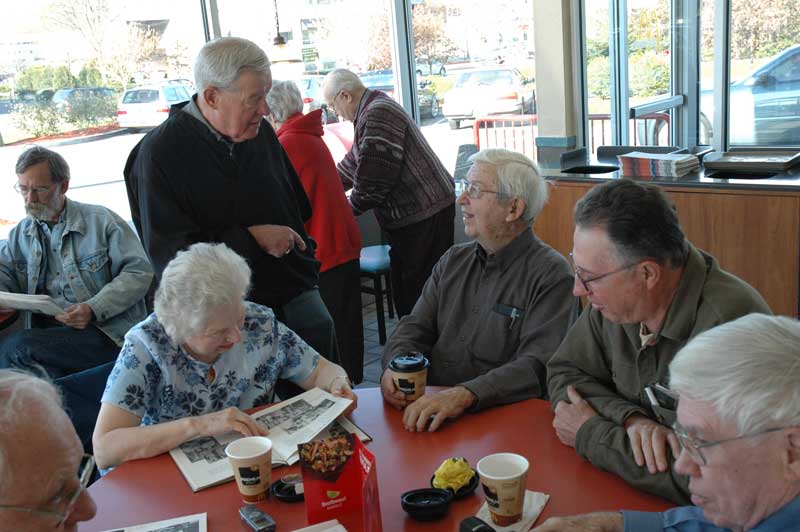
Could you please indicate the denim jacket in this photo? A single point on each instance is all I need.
(101, 256)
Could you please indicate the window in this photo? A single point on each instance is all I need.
(629, 75)
(64, 77)
(475, 75)
(707, 82)
(764, 93)
(140, 96)
(726, 88)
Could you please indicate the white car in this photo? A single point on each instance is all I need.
(148, 105)
(488, 91)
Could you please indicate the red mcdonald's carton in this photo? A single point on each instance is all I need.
(340, 482)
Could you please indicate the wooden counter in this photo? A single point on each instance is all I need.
(754, 234)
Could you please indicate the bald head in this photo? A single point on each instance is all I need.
(339, 80)
(342, 91)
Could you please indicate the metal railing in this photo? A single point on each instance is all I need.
(518, 132)
(513, 132)
(646, 130)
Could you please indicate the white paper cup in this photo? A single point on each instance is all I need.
(251, 461)
(410, 374)
(504, 477)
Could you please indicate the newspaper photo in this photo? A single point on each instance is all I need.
(189, 523)
(203, 463)
(40, 303)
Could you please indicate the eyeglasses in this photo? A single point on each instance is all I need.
(694, 445)
(332, 105)
(84, 475)
(585, 282)
(472, 189)
(24, 191)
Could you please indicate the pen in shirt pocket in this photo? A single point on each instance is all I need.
(511, 312)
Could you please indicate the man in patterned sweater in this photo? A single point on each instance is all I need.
(392, 169)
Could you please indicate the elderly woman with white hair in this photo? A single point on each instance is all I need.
(205, 354)
(332, 224)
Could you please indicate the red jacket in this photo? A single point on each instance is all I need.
(332, 223)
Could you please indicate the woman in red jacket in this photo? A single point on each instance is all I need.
(332, 223)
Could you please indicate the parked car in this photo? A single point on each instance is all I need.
(146, 106)
(41, 96)
(65, 99)
(765, 105)
(383, 80)
(425, 68)
(311, 90)
(488, 91)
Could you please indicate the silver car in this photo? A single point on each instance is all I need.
(147, 106)
(488, 91)
(765, 104)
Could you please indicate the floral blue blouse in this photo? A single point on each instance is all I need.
(158, 381)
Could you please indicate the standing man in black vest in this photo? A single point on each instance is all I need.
(214, 171)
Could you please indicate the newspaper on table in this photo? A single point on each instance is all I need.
(313, 414)
(189, 523)
(328, 526)
(40, 303)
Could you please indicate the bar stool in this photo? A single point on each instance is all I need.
(374, 263)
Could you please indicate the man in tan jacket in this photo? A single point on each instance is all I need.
(649, 291)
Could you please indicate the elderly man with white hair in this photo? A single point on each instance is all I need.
(391, 168)
(201, 358)
(739, 428)
(214, 171)
(43, 471)
(494, 310)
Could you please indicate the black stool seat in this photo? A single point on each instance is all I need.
(374, 264)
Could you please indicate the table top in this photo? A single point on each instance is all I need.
(144, 491)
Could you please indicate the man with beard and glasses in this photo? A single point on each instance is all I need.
(85, 257)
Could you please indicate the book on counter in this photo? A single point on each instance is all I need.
(641, 164)
(315, 414)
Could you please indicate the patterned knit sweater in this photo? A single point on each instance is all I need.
(391, 167)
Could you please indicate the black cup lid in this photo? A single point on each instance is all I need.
(408, 362)
(426, 504)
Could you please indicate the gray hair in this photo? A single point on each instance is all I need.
(517, 177)
(640, 219)
(18, 392)
(59, 169)
(197, 283)
(748, 369)
(341, 79)
(284, 100)
(221, 62)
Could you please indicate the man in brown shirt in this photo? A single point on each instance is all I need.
(649, 291)
(494, 310)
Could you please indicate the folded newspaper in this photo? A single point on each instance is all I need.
(315, 414)
(36, 303)
(640, 164)
(190, 523)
